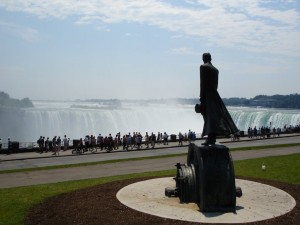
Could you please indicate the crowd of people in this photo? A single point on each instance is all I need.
(129, 141)
(267, 132)
(125, 142)
(137, 141)
(262, 132)
(54, 145)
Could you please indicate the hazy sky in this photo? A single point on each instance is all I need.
(145, 49)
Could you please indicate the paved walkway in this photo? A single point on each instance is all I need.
(128, 167)
(244, 141)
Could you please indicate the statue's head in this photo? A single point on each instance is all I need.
(206, 57)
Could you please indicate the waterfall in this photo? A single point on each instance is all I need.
(49, 118)
(245, 117)
(81, 120)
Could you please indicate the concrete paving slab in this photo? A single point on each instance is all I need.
(259, 202)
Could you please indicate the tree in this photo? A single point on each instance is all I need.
(6, 101)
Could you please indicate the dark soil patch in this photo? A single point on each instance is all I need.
(99, 205)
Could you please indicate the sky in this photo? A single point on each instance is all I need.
(147, 49)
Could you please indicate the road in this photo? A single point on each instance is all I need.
(119, 168)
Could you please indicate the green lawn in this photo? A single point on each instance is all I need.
(15, 202)
(280, 168)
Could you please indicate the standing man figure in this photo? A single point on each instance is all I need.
(66, 143)
(9, 146)
(217, 120)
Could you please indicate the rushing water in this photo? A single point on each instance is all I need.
(77, 119)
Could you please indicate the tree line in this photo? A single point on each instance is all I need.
(291, 101)
(7, 101)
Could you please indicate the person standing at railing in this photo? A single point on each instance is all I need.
(153, 140)
(166, 138)
(54, 145)
(147, 140)
(58, 147)
(181, 138)
(47, 145)
(86, 142)
(9, 147)
(99, 140)
(40, 143)
(65, 140)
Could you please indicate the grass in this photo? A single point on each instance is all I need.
(280, 168)
(265, 147)
(141, 158)
(15, 202)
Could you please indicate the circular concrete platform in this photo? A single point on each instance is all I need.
(259, 202)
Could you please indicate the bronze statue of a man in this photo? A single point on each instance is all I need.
(217, 120)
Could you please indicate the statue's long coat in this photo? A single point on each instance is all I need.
(217, 119)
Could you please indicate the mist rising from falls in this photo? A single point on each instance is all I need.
(79, 119)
